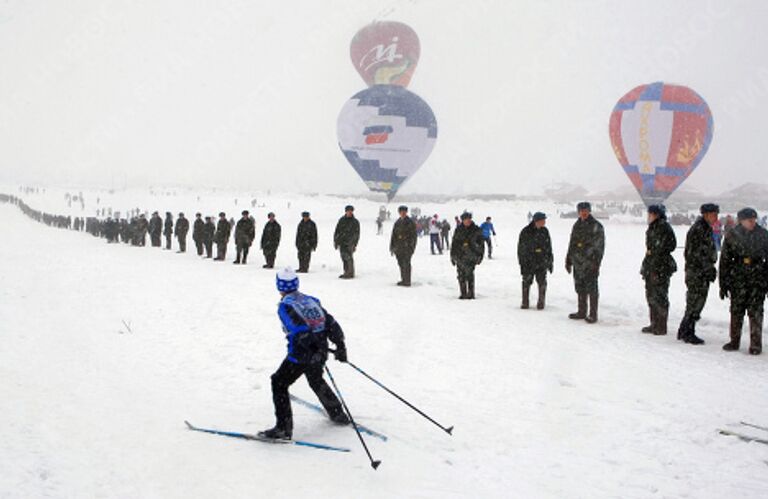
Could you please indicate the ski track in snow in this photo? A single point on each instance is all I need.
(543, 406)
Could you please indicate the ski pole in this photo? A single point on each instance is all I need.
(401, 399)
(374, 464)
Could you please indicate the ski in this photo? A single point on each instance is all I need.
(317, 408)
(250, 436)
(743, 437)
(753, 425)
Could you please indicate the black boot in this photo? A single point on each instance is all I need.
(689, 336)
(463, 289)
(526, 293)
(592, 317)
(471, 288)
(281, 431)
(649, 327)
(542, 297)
(660, 328)
(736, 322)
(755, 335)
(582, 313)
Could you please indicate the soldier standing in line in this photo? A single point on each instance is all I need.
(700, 260)
(658, 267)
(182, 227)
(270, 240)
(345, 239)
(534, 254)
(467, 250)
(245, 233)
(168, 229)
(445, 231)
(142, 226)
(223, 230)
(403, 244)
(208, 231)
(744, 277)
(306, 241)
(155, 229)
(585, 254)
(197, 233)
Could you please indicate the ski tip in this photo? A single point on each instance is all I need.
(375, 464)
(449, 431)
(189, 425)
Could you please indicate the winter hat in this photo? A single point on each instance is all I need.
(222, 214)
(402, 207)
(270, 215)
(709, 208)
(746, 214)
(287, 280)
(349, 207)
(466, 215)
(304, 213)
(584, 205)
(539, 216)
(244, 213)
(658, 209)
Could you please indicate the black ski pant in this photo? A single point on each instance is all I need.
(489, 242)
(285, 376)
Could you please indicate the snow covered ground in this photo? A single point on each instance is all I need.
(543, 406)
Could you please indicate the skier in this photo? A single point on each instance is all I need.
(488, 230)
(700, 260)
(585, 254)
(744, 277)
(657, 268)
(467, 251)
(197, 233)
(308, 327)
(306, 241)
(345, 239)
(270, 240)
(245, 233)
(223, 230)
(534, 254)
(403, 244)
(168, 229)
(182, 227)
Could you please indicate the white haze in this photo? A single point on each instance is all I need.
(246, 94)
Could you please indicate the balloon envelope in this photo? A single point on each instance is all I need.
(385, 52)
(386, 133)
(660, 133)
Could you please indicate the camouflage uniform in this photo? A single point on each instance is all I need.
(168, 230)
(700, 260)
(534, 254)
(345, 239)
(245, 233)
(585, 254)
(657, 268)
(402, 244)
(208, 231)
(182, 227)
(197, 234)
(270, 240)
(221, 237)
(467, 250)
(306, 242)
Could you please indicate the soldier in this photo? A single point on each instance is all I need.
(208, 231)
(403, 244)
(445, 231)
(467, 249)
(182, 227)
(270, 240)
(534, 254)
(223, 229)
(168, 229)
(306, 241)
(155, 229)
(657, 268)
(585, 254)
(744, 277)
(141, 228)
(245, 233)
(345, 240)
(197, 233)
(700, 260)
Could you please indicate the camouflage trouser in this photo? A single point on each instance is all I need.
(695, 298)
(748, 299)
(657, 291)
(541, 278)
(304, 257)
(404, 262)
(465, 271)
(347, 260)
(585, 281)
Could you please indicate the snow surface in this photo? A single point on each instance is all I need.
(543, 406)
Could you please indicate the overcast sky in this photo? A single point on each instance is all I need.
(246, 93)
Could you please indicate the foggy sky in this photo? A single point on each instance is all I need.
(246, 93)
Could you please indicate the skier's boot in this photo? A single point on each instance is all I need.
(542, 297)
(736, 322)
(592, 317)
(340, 419)
(582, 313)
(662, 314)
(281, 431)
(649, 327)
(755, 335)
(526, 293)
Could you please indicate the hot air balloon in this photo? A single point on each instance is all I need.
(385, 52)
(660, 133)
(386, 133)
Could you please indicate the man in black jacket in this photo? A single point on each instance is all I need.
(270, 240)
(197, 233)
(585, 254)
(403, 244)
(700, 261)
(534, 254)
(245, 233)
(306, 241)
(657, 268)
(345, 239)
(744, 277)
(467, 250)
(221, 236)
(182, 227)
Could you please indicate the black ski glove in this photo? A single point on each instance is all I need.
(341, 353)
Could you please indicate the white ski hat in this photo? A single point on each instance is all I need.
(287, 280)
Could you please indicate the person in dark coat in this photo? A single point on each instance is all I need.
(181, 230)
(245, 233)
(270, 240)
(467, 250)
(585, 254)
(306, 241)
(445, 232)
(657, 268)
(208, 232)
(221, 236)
(168, 229)
(155, 229)
(345, 239)
(197, 233)
(534, 254)
(700, 261)
(403, 244)
(744, 277)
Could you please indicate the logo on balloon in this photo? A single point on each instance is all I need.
(660, 133)
(385, 52)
